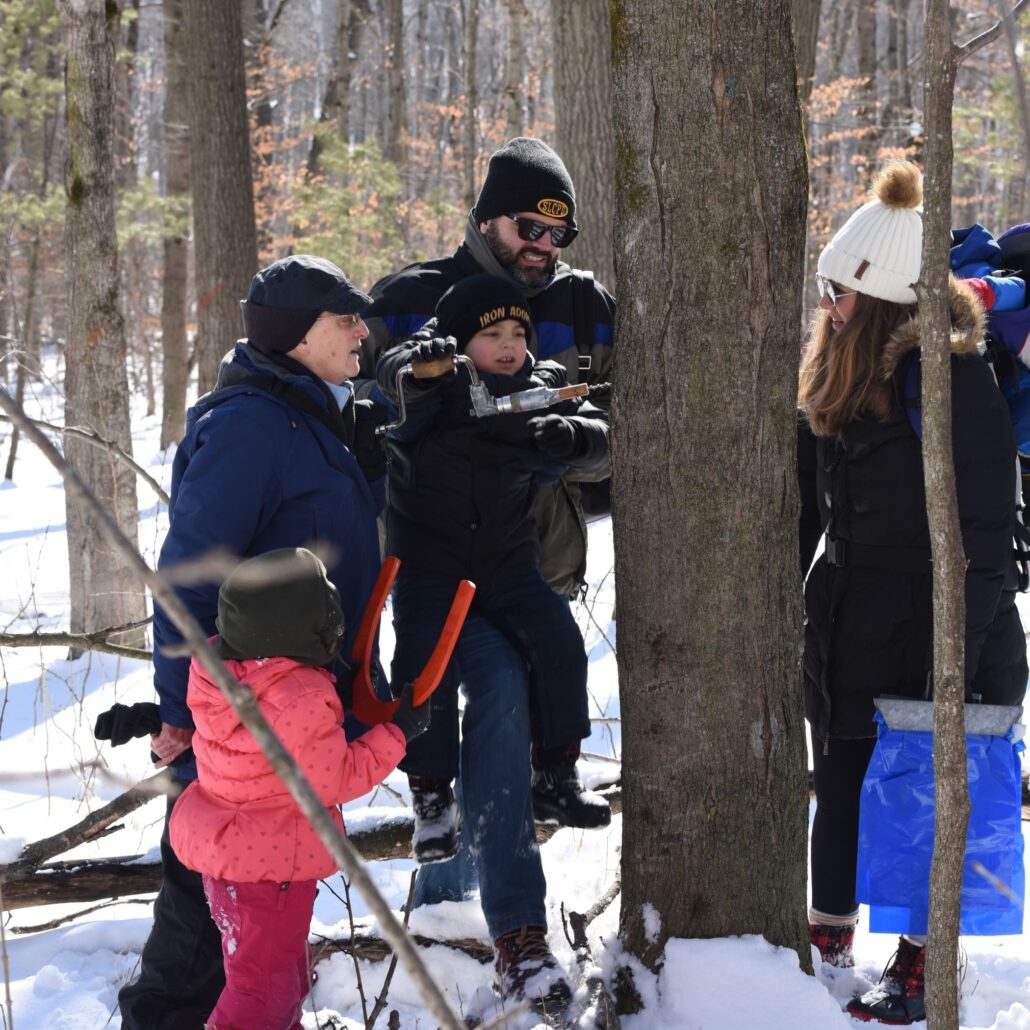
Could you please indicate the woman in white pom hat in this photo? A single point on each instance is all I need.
(868, 598)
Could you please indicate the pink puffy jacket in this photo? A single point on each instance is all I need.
(237, 821)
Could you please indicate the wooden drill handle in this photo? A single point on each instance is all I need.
(432, 369)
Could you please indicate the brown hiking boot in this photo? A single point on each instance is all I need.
(527, 971)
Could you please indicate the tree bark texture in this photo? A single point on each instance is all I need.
(103, 591)
(470, 27)
(174, 349)
(951, 795)
(710, 224)
(224, 234)
(806, 36)
(514, 89)
(397, 112)
(583, 128)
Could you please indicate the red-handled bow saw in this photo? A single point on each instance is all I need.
(367, 707)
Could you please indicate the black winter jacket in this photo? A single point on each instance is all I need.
(868, 598)
(463, 489)
(405, 301)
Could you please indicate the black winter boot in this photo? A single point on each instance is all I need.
(558, 794)
(900, 996)
(437, 835)
(527, 971)
(835, 944)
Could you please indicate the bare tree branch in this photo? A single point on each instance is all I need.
(242, 700)
(95, 641)
(93, 437)
(978, 42)
(381, 1000)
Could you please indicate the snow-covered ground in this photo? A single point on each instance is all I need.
(52, 772)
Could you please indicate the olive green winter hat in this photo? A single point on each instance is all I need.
(280, 604)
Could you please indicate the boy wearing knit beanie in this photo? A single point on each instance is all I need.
(462, 497)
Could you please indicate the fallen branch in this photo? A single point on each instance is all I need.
(597, 991)
(367, 948)
(90, 880)
(93, 437)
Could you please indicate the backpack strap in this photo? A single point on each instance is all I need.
(583, 316)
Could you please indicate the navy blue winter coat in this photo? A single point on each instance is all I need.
(254, 473)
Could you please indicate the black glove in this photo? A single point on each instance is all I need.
(369, 449)
(433, 349)
(550, 373)
(411, 721)
(556, 436)
(121, 723)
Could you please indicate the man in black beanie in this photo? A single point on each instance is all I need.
(278, 455)
(523, 219)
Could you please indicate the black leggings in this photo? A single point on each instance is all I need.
(838, 786)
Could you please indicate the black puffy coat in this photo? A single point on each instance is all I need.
(463, 490)
(868, 598)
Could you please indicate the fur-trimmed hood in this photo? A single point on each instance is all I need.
(967, 329)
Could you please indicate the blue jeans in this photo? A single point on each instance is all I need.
(499, 847)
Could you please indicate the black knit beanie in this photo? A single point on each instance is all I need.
(477, 302)
(280, 603)
(286, 298)
(527, 175)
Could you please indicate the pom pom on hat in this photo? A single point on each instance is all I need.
(878, 250)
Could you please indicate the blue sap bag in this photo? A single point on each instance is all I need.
(896, 822)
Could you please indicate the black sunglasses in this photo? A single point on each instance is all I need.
(530, 229)
(828, 288)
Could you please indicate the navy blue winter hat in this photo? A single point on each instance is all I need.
(527, 175)
(286, 298)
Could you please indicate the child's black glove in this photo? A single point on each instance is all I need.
(369, 449)
(409, 720)
(556, 436)
(433, 349)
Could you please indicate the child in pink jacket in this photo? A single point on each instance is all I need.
(279, 621)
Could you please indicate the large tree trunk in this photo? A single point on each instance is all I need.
(583, 127)
(174, 350)
(103, 590)
(709, 138)
(225, 238)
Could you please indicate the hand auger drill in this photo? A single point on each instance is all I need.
(483, 404)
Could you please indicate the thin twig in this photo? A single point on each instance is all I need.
(354, 954)
(6, 964)
(53, 924)
(242, 700)
(380, 1004)
(93, 437)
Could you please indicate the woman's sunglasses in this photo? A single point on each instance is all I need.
(830, 290)
(530, 229)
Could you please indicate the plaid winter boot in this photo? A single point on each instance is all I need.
(899, 998)
(437, 835)
(835, 944)
(527, 971)
(558, 794)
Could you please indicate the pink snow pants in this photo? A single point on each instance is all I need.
(264, 929)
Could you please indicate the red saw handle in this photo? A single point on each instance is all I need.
(366, 706)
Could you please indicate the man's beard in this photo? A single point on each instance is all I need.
(508, 258)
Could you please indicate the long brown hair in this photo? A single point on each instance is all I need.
(841, 375)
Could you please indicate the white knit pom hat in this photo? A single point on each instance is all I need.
(878, 250)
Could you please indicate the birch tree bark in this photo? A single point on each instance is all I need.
(103, 592)
(224, 233)
(710, 225)
(583, 128)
